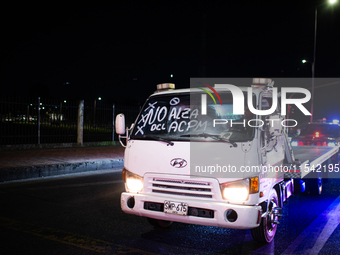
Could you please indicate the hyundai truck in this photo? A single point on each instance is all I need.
(190, 158)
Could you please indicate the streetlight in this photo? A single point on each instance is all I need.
(314, 50)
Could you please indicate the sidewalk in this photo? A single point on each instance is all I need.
(33, 163)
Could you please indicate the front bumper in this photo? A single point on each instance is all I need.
(247, 217)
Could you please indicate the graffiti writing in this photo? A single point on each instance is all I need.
(170, 118)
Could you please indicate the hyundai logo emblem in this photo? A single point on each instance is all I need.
(178, 163)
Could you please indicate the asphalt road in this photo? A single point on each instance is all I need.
(81, 215)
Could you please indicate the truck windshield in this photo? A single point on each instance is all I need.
(178, 117)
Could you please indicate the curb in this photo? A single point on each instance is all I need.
(21, 173)
(55, 145)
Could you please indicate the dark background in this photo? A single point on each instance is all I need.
(120, 51)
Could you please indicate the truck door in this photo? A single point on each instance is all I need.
(272, 147)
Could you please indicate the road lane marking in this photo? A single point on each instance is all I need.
(318, 231)
(61, 236)
(332, 224)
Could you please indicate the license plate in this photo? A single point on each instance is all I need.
(178, 208)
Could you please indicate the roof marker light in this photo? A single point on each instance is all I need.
(262, 83)
(165, 86)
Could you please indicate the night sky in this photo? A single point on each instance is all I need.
(120, 51)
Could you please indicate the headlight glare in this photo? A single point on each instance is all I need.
(238, 190)
(134, 185)
(331, 144)
(134, 182)
(294, 143)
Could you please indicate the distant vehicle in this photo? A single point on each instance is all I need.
(318, 134)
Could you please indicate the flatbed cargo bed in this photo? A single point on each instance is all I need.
(313, 156)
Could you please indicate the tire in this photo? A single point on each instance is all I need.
(266, 231)
(314, 185)
(299, 186)
(159, 223)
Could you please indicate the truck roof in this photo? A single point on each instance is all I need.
(256, 90)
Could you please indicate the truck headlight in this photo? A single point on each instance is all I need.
(294, 143)
(134, 182)
(332, 144)
(240, 190)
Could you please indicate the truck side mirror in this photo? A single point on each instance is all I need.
(120, 124)
(275, 127)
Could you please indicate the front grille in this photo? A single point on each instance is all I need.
(177, 187)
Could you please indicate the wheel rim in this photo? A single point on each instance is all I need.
(271, 217)
(270, 226)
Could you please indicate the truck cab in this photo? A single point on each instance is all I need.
(189, 158)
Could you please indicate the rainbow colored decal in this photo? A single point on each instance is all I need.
(209, 93)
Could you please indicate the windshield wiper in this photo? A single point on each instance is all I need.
(157, 138)
(216, 137)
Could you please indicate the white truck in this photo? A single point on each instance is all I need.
(190, 159)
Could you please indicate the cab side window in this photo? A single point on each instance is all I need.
(266, 103)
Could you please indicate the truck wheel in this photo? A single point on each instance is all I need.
(299, 186)
(159, 223)
(266, 231)
(314, 185)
